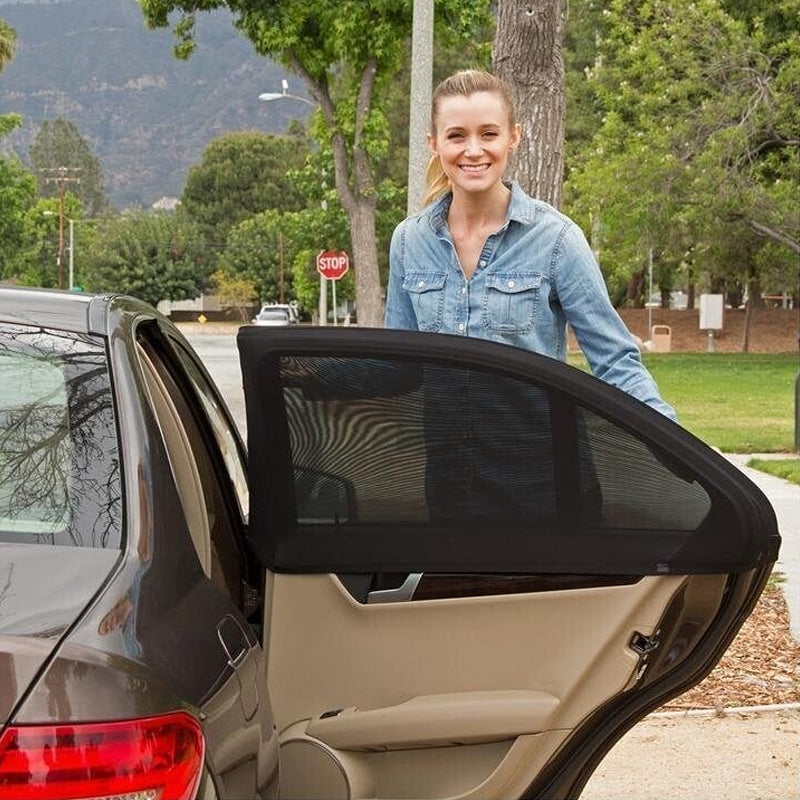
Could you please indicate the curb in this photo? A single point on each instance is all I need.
(723, 712)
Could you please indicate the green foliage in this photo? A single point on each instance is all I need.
(690, 100)
(17, 195)
(234, 290)
(36, 262)
(254, 253)
(153, 256)
(59, 144)
(8, 43)
(240, 175)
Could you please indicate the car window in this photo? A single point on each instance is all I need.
(222, 427)
(277, 314)
(59, 457)
(433, 443)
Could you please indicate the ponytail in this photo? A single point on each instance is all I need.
(437, 182)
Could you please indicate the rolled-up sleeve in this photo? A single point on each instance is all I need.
(603, 337)
(399, 311)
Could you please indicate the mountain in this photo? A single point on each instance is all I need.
(147, 115)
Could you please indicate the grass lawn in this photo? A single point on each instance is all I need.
(739, 402)
(786, 468)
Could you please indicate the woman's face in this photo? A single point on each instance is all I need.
(473, 139)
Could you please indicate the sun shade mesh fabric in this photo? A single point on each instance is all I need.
(387, 443)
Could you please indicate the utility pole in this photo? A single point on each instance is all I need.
(62, 177)
(421, 90)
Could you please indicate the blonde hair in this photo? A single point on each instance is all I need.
(461, 84)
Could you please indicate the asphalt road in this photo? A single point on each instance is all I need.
(218, 353)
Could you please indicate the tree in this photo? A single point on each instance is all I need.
(345, 51)
(697, 146)
(17, 195)
(59, 143)
(255, 252)
(153, 256)
(528, 56)
(236, 291)
(240, 175)
(35, 262)
(8, 43)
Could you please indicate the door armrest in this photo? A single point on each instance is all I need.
(437, 720)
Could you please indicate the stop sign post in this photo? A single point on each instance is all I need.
(332, 265)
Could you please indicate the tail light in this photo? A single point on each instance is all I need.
(155, 758)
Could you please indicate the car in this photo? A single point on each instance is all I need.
(276, 315)
(444, 567)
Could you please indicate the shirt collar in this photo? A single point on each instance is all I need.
(521, 208)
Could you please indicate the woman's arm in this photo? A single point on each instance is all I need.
(601, 333)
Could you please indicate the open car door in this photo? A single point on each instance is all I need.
(482, 566)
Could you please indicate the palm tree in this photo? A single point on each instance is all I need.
(8, 43)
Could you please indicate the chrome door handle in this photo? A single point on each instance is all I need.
(400, 594)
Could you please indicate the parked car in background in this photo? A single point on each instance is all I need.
(276, 315)
(394, 594)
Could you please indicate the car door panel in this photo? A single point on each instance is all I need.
(440, 671)
(557, 556)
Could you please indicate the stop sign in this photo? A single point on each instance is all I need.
(331, 264)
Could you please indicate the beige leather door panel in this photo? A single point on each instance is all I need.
(464, 697)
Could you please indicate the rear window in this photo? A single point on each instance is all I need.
(273, 314)
(59, 460)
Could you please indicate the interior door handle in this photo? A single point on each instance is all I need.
(400, 594)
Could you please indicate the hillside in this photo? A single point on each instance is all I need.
(147, 115)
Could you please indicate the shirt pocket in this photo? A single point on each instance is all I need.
(510, 301)
(426, 290)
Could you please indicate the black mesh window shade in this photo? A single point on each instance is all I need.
(431, 464)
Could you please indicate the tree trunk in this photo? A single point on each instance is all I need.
(636, 289)
(753, 302)
(528, 56)
(748, 312)
(369, 304)
(355, 187)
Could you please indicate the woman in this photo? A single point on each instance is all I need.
(484, 259)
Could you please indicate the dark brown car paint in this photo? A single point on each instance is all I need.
(148, 642)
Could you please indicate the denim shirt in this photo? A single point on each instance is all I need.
(533, 276)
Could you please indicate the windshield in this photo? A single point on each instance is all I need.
(273, 313)
(59, 461)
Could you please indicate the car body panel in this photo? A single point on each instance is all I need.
(142, 637)
(32, 621)
(67, 311)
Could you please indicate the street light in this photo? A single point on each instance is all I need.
(267, 96)
(71, 248)
(284, 94)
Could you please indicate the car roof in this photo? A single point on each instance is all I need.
(50, 308)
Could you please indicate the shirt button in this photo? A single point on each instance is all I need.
(481, 263)
(462, 326)
(421, 283)
(511, 284)
(463, 290)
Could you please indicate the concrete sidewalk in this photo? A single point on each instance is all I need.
(785, 499)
